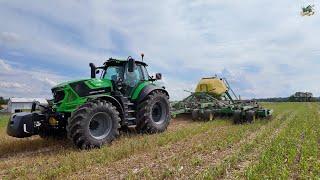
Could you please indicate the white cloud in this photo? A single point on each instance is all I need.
(22, 82)
(4, 67)
(178, 89)
(9, 37)
(50, 81)
(11, 85)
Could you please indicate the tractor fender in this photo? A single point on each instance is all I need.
(114, 102)
(149, 89)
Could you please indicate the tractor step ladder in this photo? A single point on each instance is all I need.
(129, 112)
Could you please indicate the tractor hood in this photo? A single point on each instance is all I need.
(81, 88)
(91, 83)
(68, 95)
(62, 85)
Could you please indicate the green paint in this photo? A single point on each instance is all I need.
(136, 92)
(71, 100)
(98, 83)
(62, 85)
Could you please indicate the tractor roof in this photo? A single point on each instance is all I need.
(112, 61)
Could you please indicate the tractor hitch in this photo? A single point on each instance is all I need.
(24, 124)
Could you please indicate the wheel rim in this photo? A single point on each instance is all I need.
(100, 125)
(159, 112)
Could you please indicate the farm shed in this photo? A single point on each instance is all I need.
(18, 104)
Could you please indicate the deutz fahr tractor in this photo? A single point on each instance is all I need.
(91, 112)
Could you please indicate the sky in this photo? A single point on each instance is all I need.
(264, 48)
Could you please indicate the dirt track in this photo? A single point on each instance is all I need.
(14, 151)
(165, 158)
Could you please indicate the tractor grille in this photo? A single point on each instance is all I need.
(58, 95)
(83, 90)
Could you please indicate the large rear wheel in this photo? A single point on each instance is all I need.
(153, 113)
(94, 124)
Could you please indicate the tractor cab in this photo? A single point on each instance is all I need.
(307, 11)
(125, 75)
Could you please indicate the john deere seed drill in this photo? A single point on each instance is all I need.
(214, 97)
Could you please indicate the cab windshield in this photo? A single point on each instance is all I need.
(131, 79)
(113, 73)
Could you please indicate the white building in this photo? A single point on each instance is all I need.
(18, 104)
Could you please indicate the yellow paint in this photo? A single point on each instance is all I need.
(212, 85)
(53, 121)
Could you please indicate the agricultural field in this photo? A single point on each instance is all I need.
(286, 146)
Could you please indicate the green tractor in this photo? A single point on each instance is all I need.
(91, 112)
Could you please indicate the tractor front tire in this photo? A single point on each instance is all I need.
(153, 115)
(94, 124)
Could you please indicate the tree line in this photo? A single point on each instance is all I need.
(3, 101)
(289, 99)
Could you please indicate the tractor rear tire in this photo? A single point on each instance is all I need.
(153, 115)
(94, 124)
(237, 117)
(250, 116)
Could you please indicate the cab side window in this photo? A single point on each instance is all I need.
(133, 78)
(145, 73)
(114, 73)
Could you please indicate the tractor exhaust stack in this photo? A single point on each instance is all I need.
(93, 70)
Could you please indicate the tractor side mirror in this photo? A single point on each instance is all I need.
(93, 70)
(131, 65)
(158, 76)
